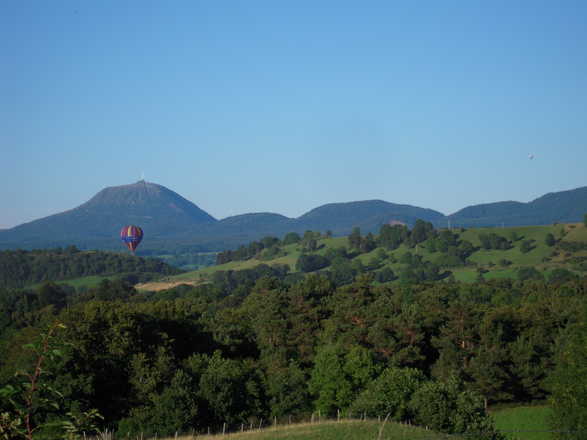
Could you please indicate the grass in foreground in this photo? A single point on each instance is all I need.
(526, 420)
(343, 430)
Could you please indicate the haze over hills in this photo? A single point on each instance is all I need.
(171, 221)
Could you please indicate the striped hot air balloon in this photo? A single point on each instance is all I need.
(131, 236)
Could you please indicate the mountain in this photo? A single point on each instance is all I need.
(173, 224)
(558, 207)
(368, 215)
(158, 210)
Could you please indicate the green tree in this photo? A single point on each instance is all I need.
(328, 381)
(310, 262)
(421, 231)
(174, 409)
(568, 383)
(549, 240)
(355, 239)
(338, 376)
(446, 407)
(287, 390)
(560, 275)
(529, 273)
(526, 246)
(391, 237)
(291, 238)
(390, 393)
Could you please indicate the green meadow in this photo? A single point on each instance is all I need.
(524, 422)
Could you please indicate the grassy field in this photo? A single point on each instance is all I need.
(522, 423)
(343, 430)
(518, 423)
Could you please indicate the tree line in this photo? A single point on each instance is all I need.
(20, 268)
(264, 344)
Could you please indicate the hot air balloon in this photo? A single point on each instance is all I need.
(131, 236)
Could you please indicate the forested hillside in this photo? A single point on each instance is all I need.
(21, 268)
(403, 255)
(364, 324)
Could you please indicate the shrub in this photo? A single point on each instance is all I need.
(390, 393)
(444, 407)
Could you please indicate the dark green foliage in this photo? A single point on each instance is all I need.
(390, 393)
(231, 389)
(355, 239)
(494, 241)
(174, 409)
(391, 237)
(568, 383)
(529, 273)
(270, 244)
(572, 246)
(549, 240)
(291, 238)
(526, 246)
(310, 262)
(421, 232)
(385, 275)
(418, 270)
(503, 262)
(259, 343)
(287, 390)
(446, 407)
(561, 275)
(338, 375)
(21, 268)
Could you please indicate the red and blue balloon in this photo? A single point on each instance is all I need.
(131, 236)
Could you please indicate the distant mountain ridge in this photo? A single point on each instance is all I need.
(172, 222)
(557, 207)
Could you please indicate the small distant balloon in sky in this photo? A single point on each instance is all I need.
(530, 156)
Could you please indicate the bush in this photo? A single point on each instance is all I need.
(310, 263)
(529, 273)
(444, 407)
(390, 393)
(385, 275)
(526, 246)
(561, 275)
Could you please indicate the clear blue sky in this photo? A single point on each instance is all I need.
(253, 106)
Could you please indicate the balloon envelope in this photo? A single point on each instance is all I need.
(131, 236)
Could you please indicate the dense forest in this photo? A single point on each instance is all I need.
(333, 336)
(258, 345)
